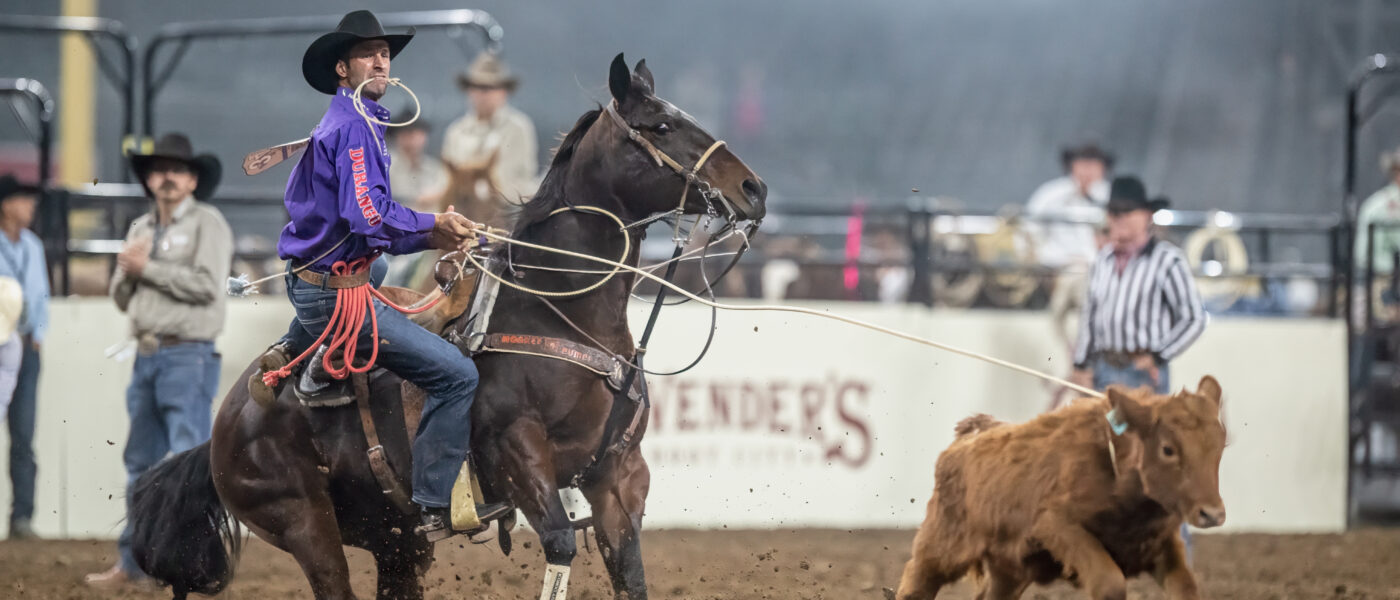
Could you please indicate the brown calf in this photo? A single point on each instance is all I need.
(1050, 498)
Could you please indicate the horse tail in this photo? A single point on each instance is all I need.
(975, 424)
(181, 534)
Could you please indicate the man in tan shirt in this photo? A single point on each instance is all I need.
(170, 280)
(494, 127)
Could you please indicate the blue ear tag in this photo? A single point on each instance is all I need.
(1118, 426)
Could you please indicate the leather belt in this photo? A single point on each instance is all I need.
(175, 340)
(334, 282)
(1120, 359)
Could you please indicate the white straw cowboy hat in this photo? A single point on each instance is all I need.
(488, 71)
(1390, 161)
(11, 306)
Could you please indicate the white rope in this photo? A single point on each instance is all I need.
(360, 105)
(617, 266)
(769, 307)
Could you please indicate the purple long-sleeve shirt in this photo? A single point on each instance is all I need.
(341, 186)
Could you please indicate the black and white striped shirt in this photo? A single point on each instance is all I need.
(1151, 306)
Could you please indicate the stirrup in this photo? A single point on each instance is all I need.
(437, 526)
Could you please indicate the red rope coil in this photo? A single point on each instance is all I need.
(346, 322)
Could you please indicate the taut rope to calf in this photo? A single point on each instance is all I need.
(749, 308)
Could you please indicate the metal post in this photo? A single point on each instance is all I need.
(1370, 319)
(1334, 236)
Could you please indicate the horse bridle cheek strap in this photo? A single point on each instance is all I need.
(691, 175)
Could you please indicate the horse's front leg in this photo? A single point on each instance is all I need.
(618, 499)
(528, 473)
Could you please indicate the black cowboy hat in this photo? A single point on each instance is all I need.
(11, 187)
(318, 64)
(1086, 150)
(176, 146)
(1128, 194)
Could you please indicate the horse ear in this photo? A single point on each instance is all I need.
(1210, 389)
(619, 79)
(645, 74)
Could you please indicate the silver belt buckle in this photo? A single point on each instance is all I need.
(147, 344)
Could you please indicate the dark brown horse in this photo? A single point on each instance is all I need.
(298, 477)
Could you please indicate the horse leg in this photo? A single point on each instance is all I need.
(401, 564)
(618, 500)
(267, 473)
(530, 478)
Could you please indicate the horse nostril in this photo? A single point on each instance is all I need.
(755, 190)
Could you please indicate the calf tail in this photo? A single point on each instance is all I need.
(181, 534)
(975, 424)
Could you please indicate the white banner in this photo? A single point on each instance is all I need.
(791, 421)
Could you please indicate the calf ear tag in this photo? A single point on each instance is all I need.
(1115, 423)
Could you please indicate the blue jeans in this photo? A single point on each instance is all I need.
(426, 360)
(1106, 374)
(21, 423)
(169, 402)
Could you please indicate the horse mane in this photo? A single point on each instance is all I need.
(550, 195)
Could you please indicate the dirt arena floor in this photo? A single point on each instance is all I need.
(808, 564)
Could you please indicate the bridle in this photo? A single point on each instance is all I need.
(691, 175)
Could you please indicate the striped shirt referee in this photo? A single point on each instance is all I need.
(1142, 308)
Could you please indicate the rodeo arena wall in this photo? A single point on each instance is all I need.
(793, 421)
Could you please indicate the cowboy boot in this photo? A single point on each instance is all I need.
(464, 515)
(275, 358)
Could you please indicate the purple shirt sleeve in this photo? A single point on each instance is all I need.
(412, 243)
(364, 191)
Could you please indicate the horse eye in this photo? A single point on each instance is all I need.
(662, 128)
(1168, 451)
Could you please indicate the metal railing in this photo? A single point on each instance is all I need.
(51, 223)
(121, 73)
(153, 78)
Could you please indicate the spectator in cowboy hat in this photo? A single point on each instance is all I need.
(419, 182)
(1078, 195)
(170, 280)
(494, 126)
(1383, 209)
(24, 315)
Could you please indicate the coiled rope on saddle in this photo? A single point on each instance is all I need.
(347, 323)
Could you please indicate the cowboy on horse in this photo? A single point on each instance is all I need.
(342, 218)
